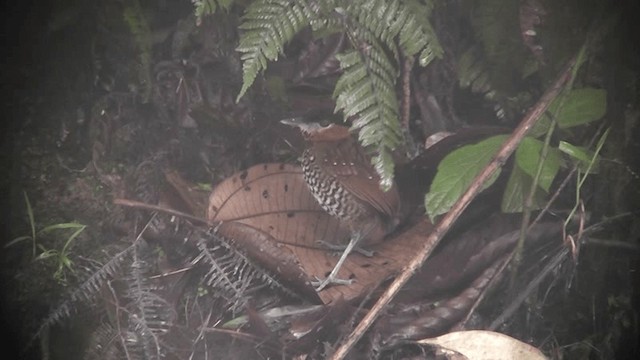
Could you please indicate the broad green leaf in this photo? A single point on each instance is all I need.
(517, 190)
(528, 157)
(582, 156)
(456, 172)
(581, 106)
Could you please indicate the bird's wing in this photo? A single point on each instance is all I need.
(348, 163)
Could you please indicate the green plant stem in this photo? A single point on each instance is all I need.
(580, 179)
(32, 223)
(526, 215)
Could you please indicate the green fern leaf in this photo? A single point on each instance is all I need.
(367, 90)
(202, 8)
(268, 25)
(390, 20)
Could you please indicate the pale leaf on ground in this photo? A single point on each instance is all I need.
(485, 345)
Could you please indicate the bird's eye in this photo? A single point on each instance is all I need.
(325, 122)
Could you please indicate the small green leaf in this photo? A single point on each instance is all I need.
(528, 157)
(582, 156)
(203, 186)
(47, 254)
(276, 88)
(72, 237)
(456, 172)
(468, 68)
(517, 190)
(17, 240)
(66, 262)
(61, 226)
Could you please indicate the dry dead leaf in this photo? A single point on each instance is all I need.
(485, 345)
(274, 199)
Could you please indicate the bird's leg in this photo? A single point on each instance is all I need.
(340, 248)
(333, 276)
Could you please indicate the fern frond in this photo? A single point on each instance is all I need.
(134, 346)
(219, 274)
(208, 7)
(151, 315)
(103, 344)
(231, 273)
(366, 89)
(391, 20)
(268, 25)
(88, 290)
(204, 7)
(497, 27)
(139, 27)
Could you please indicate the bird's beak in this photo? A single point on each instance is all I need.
(305, 127)
(296, 122)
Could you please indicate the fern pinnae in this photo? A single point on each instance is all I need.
(268, 25)
(86, 292)
(257, 272)
(379, 18)
(103, 344)
(367, 86)
(233, 273)
(146, 319)
(217, 275)
(366, 90)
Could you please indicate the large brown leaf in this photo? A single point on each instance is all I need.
(274, 199)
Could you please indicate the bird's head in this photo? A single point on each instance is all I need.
(318, 131)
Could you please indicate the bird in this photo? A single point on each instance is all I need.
(340, 176)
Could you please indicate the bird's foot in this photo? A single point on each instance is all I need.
(340, 248)
(333, 276)
(320, 284)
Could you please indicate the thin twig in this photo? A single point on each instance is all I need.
(614, 244)
(553, 264)
(145, 206)
(447, 221)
